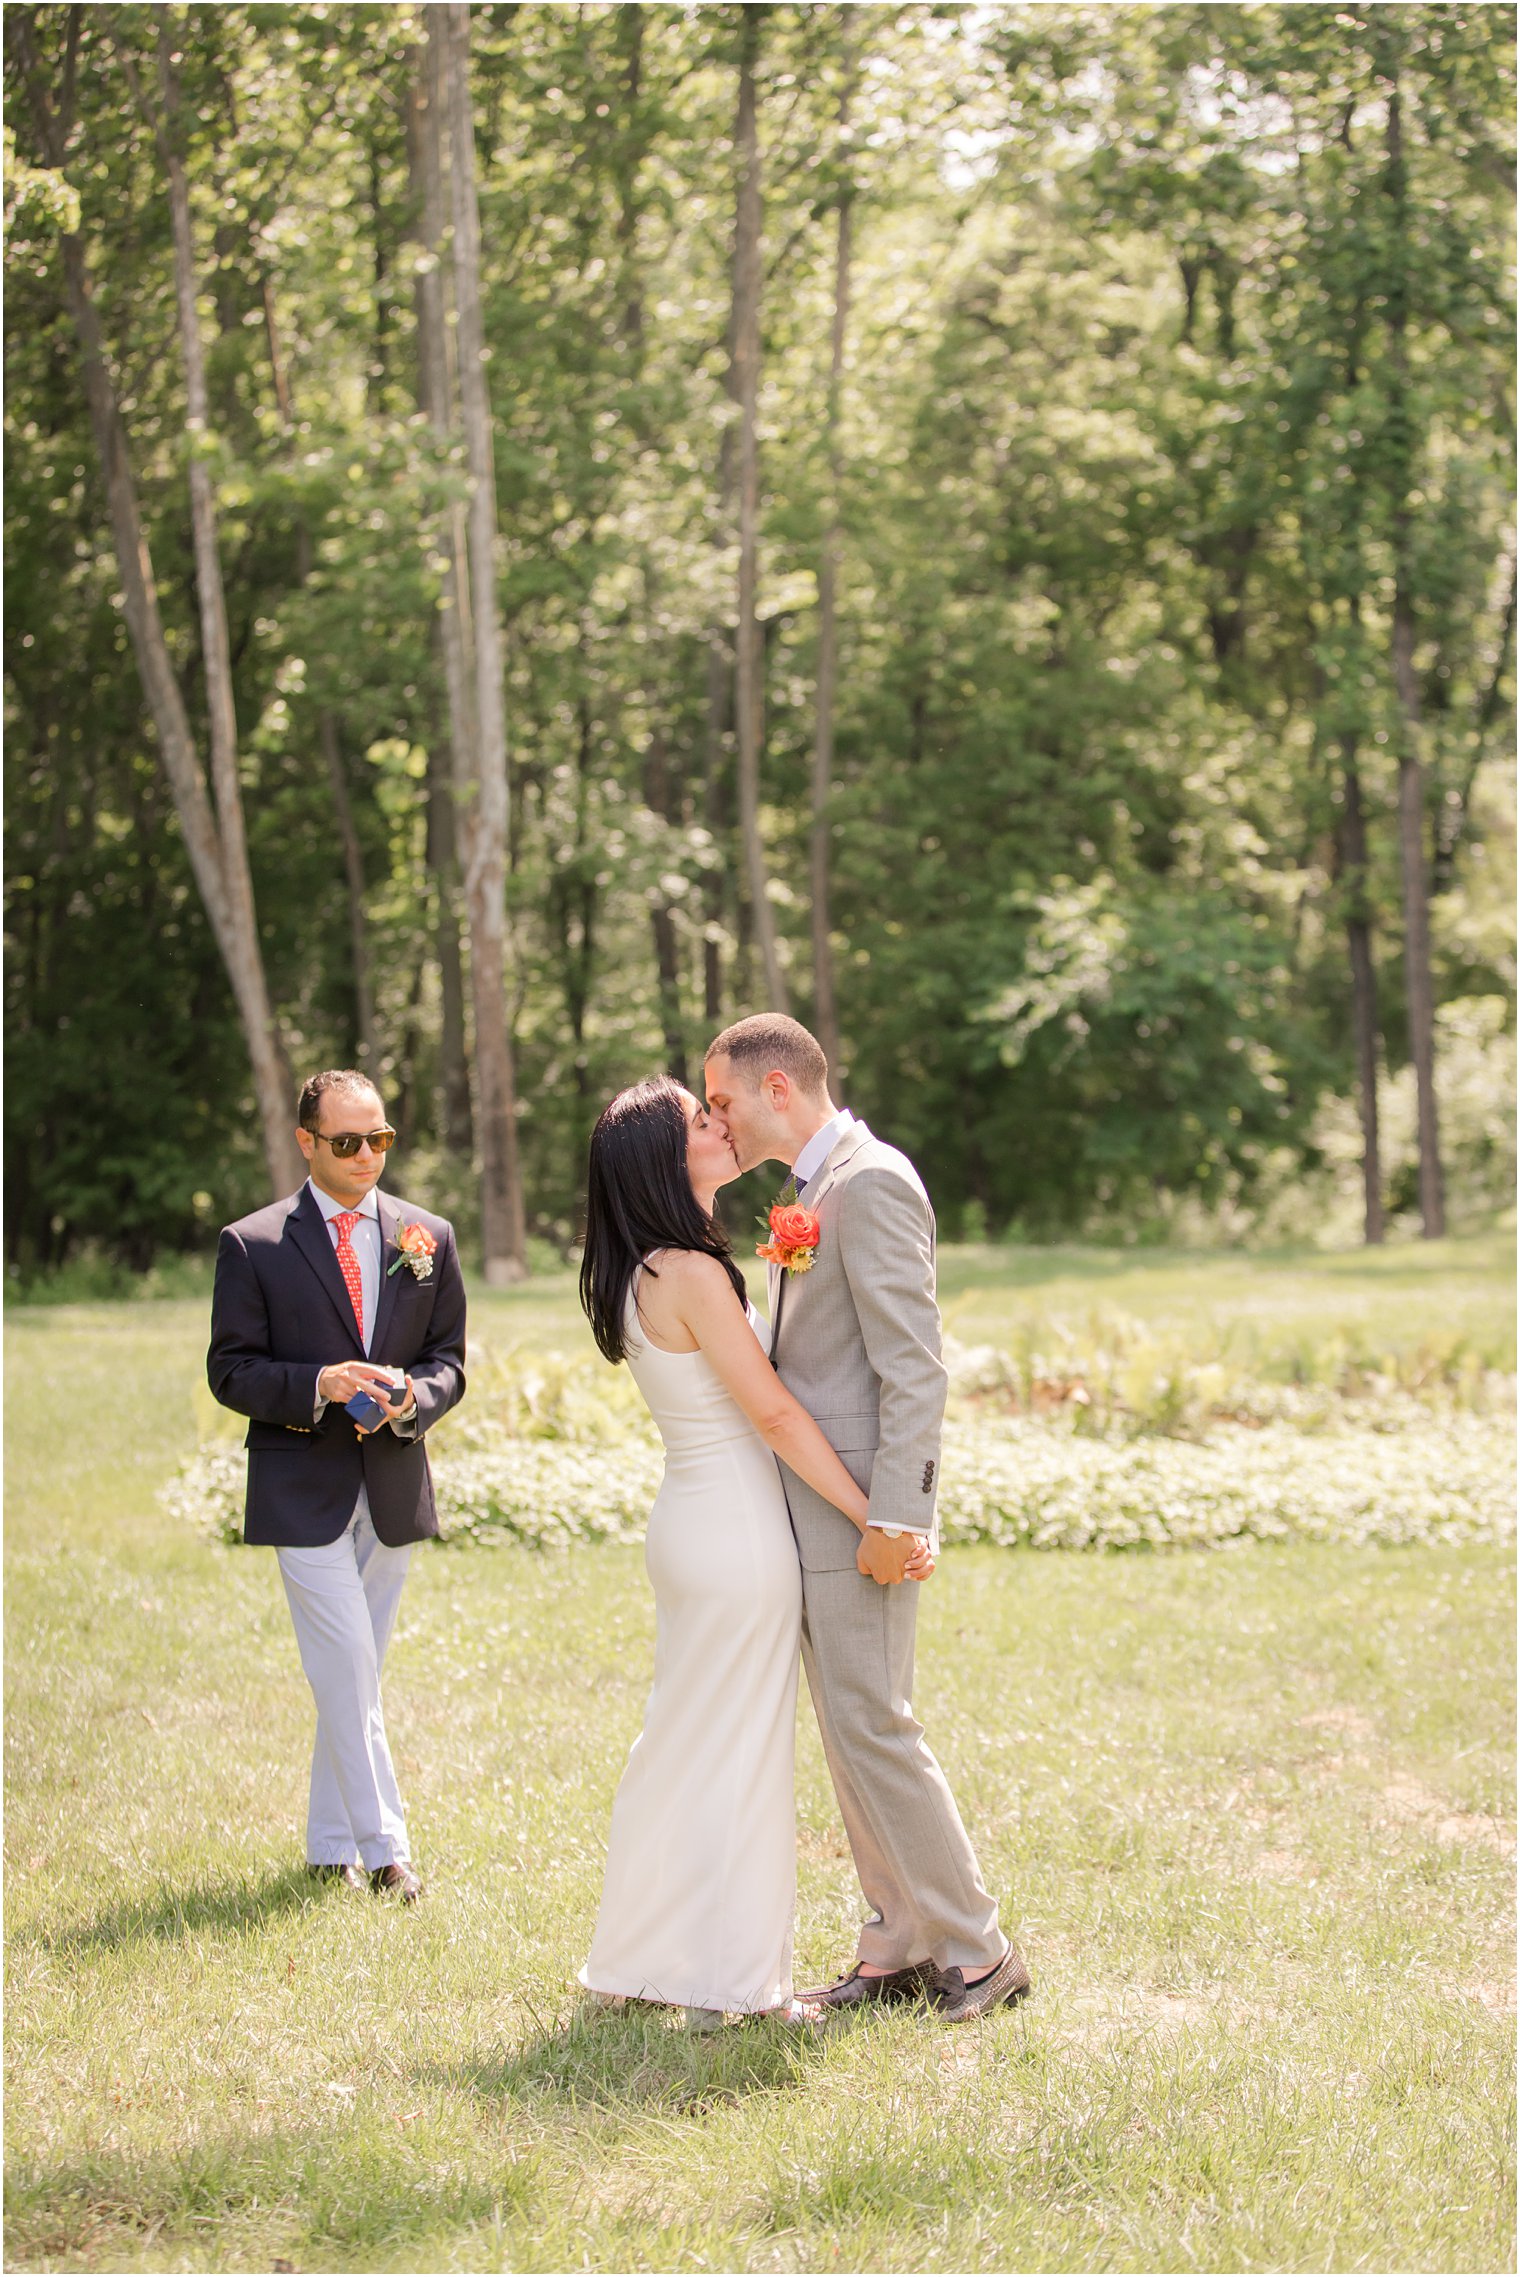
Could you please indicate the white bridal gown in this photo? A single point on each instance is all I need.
(701, 1880)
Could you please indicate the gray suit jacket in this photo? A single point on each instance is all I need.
(857, 1341)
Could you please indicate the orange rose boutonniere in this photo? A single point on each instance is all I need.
(795, 1235)
(416, 1245)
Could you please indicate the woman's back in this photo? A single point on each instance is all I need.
(691, 1407)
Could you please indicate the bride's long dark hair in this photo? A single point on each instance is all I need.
(639, 1198)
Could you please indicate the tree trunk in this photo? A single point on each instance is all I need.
(1351, 868)
(216, 649)
(453, 1061)
(218, 860)
(483, 807)
(434, 397)
(662, 795)
(1417, 976)
(658, 797)
(353, 871)
(718, 883)
(825, 1012)
(1451, 825)
(573, 902)
(629, 24)
(276, 353)
(365, 1038)
(715, 808)
(375, 378)
(749, 693)
(406, 1064)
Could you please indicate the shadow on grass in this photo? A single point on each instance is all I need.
(639, 2059)
(328, 2197)
(160, 1915)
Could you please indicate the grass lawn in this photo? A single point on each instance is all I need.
(1252, 1812)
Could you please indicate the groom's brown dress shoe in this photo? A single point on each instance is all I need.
(916, 1983)
(349, 1876)
(402, 1879)
(958, 2002)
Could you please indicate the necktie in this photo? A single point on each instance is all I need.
(348, 1261)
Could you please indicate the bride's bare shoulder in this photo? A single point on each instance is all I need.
(688, 1286)
(676, 1294)
(686, 1268)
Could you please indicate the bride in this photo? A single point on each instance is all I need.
(700, 1888)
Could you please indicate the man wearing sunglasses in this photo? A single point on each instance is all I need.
(335, 1292)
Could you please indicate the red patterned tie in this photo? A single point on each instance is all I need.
(345, 1221)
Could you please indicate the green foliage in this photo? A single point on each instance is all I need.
(1158, 365)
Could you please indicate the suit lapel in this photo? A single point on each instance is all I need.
(308, 1231)
(778, 1297)
(835, 1161)
(814, 1191)
(390, 1251)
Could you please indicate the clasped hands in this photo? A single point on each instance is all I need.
(886, 1558)
(339, 1383)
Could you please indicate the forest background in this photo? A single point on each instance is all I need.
(534, 530)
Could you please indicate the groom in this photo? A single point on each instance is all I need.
(857, 1340)
(333, 1291)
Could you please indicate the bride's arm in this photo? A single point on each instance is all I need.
(702, 1298)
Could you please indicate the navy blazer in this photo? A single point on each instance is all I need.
(280, 1312)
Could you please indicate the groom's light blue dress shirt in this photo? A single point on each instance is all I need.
(819, 1147)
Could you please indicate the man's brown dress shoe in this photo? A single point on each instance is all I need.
(402, 1877)
(349, 1876)
(958, 2001)
(916, 1983)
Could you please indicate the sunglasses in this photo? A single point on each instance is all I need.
(346, 1144)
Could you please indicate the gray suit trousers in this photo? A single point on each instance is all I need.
(857, 1341)
(914, 1857)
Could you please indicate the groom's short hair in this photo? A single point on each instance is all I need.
(769, 1039)
(316, 1087)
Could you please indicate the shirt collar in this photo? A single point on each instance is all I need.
(368, 1208)
(820, 1146)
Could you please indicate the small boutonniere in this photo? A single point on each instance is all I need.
(795, 1234)
(416, 1245)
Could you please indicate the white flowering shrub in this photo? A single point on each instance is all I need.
(1030, 1484)
(208, 1491)
(1018, 1482)
(548, 1492)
